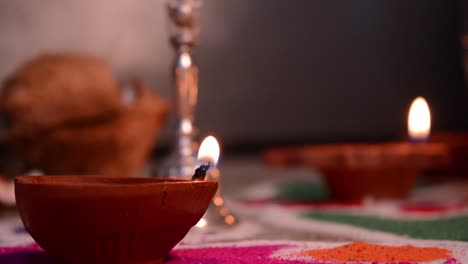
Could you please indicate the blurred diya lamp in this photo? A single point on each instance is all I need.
(354, 171)
(457, 143)
(88, 219)
(381, 170)
(217, 216)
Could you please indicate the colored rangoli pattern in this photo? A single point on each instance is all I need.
(365, 252)
(279, 252)
(444, 228)
(305, 205)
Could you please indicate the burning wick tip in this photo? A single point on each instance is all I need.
(200, 172)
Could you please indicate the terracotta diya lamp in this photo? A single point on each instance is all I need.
(380, 170)
(457, 143)
(87, 219)
(355, 171)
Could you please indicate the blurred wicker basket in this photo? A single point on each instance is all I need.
(114, 142)
(115, 146)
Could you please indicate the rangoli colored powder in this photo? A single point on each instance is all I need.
(443, 228)
(365, 252)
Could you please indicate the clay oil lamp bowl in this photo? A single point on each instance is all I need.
(356, 170)
(87, 219)
(457, 142)
(381, 170)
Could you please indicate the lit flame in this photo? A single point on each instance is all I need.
(202, 223)
(186, 126)
(185, 60)
(209, 151)
(419, 120)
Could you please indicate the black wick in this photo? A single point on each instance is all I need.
(200, 172)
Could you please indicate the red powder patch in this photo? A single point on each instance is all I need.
(366, 252)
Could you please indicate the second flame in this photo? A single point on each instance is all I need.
(419, 120)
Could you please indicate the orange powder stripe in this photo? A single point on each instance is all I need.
(360, 251)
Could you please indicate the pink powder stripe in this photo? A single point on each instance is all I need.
(215, 255)
(256, 254)
(229, 255)
(8, 250)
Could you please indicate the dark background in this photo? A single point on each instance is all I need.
(272, 71)
(297, 71)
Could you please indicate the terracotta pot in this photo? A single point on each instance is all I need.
(354, 171)
(87, 219)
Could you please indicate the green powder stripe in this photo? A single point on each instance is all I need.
(450, 228)
(302, 191)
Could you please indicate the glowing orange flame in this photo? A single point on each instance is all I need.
(419, 120)
(209, 151)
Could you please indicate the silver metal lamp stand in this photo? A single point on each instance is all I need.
(184, 35)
